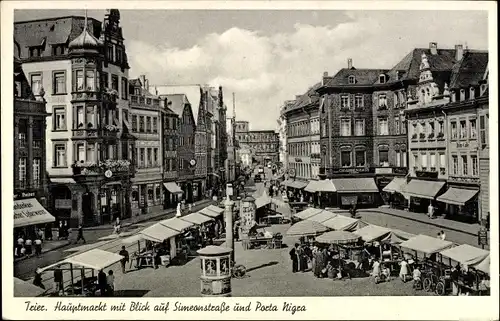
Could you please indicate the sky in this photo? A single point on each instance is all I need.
(266, 57)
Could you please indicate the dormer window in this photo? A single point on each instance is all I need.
(483, 89)
(382, 79)
(471, 93)
(352, 80)
(35, 51)
(462, 94)
(453, 96)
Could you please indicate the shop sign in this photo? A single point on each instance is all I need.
(462, 145)
(383, 170)
(351, 170)
(22, 195)
(482, 237)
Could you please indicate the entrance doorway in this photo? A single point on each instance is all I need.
(87, 208)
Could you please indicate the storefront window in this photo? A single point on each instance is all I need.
(150, 194)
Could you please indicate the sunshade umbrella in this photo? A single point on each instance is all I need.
(306, 228)
(338, 237)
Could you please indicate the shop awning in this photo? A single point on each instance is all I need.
(173, 188)
(26, 289)
(372, 233)
(426, 244)
(176, 224)
(30, 212)
(423, 189)
(308, 212)
(196, 218)
(215, 209)
(320, 186)
(322, 216)
(399, 236)
(457, 196)
(484, 265)
(344, 223)
(355, 185)
(466, 254)
(396, 185)
(62, 180)
(286, 183)
(158, 233)
(96, 259)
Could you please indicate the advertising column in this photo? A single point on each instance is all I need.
(247, 219)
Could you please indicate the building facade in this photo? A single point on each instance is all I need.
(282, 132)
(303, 135)
(81, 67)
(146, 117)
(30, 180)
(262, 144)
(170, 140)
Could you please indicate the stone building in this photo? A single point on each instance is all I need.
(170, 139)
(81, 66)
(282, 132)
(30, 180)
(262, 145)
(302, 135)
(146, 116)
(186, 162)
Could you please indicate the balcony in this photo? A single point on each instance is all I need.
(430, 136)
(464, 179)
(110, 97)
(422, 137)
(108, 132)
(440, 136)
(414, 137)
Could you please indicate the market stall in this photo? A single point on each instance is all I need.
(309, 229)
(347, 244)
(92, 261)
(371, 233)
(322, 216)
(215, 209)
(464, 254)
(425, 246)
(208, 212)
(344, 223)
(322, 191)
(308, 212)
(196, 218)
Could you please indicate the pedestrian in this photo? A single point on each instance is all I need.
(37, 281)
(48, 232)
(80, 234)
(443, 235)
(125, 259)
(66, 230)
(403, 272)
(376, 268)
(102, 282)
(430, 210)
(40, 234)
(38, 246)
(29, 246)
(110, 281)
(190, 206)
(60, 231)
(58, 281)
(294, 258)
(455, 275)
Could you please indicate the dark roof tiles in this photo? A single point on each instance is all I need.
(362, 76)
(470, 70)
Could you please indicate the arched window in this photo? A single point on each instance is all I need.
(346, 156)
(383, 155)
(396, 100)
(360, 156)
(453, 96)
(382, 79)
(462, 94)
(352, 80)
(472, 93)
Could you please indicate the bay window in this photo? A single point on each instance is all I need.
(90, 80)
(80, 81)
(472, 128)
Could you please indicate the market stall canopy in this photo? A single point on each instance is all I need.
(426, 244)
(484, 265)
(62, 180)
(355, 185)
(457, 196)
(30, 212)
(176, 224)
(215, 209)
(96, 259)
(26, 289)
(322, 216)
(262, 201)
(158, 233)
(344, 223)
(196, 218)
(320, 186)
(396, 185)
(286, 183)
(423, 189)
(398, 236)
(308, 212)
(173, 188)
(298, 184)
(372, 233)
(338, 237)
(133, 239)
(465, 254)
(209, 213)
(306, 228)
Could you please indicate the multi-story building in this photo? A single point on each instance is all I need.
(347, 133)
(186, 162)
(231, 150)
(282, 131)
(81, 66)
(262, 144)
(30, 181)
(146, 116)
(484, 152)
(302, 132)
(170, 140)
(465, 120)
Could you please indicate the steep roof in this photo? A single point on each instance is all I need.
(309, 98)
(191, 93)
(363, 77)
(470, 70)
(410, 64)
(176, 103)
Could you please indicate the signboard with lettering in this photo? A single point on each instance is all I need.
(352, 170)
(30, 212)
(22, 195)
(247, 215)
(482, 237)
(383, 170)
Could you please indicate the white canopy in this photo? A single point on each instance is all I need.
(176, 224)
(372, 233)
(196, 218)
(96, 259)
(30, 212)
(322, 216)
(484, 265)
(26, 289)
(215, 209)
(158, 233)
(426, 244)
(308, 212)
(465, 254)
(343, 223)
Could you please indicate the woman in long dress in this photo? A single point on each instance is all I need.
(300, 254)
(403, 272)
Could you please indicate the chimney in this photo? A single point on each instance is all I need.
(349, 63)
(459, 52)
(325, 74)
(433, 46)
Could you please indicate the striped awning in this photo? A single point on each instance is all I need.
(423, 189)
(355, 185)
(396, 185)
(320, 186)
(457, 196)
